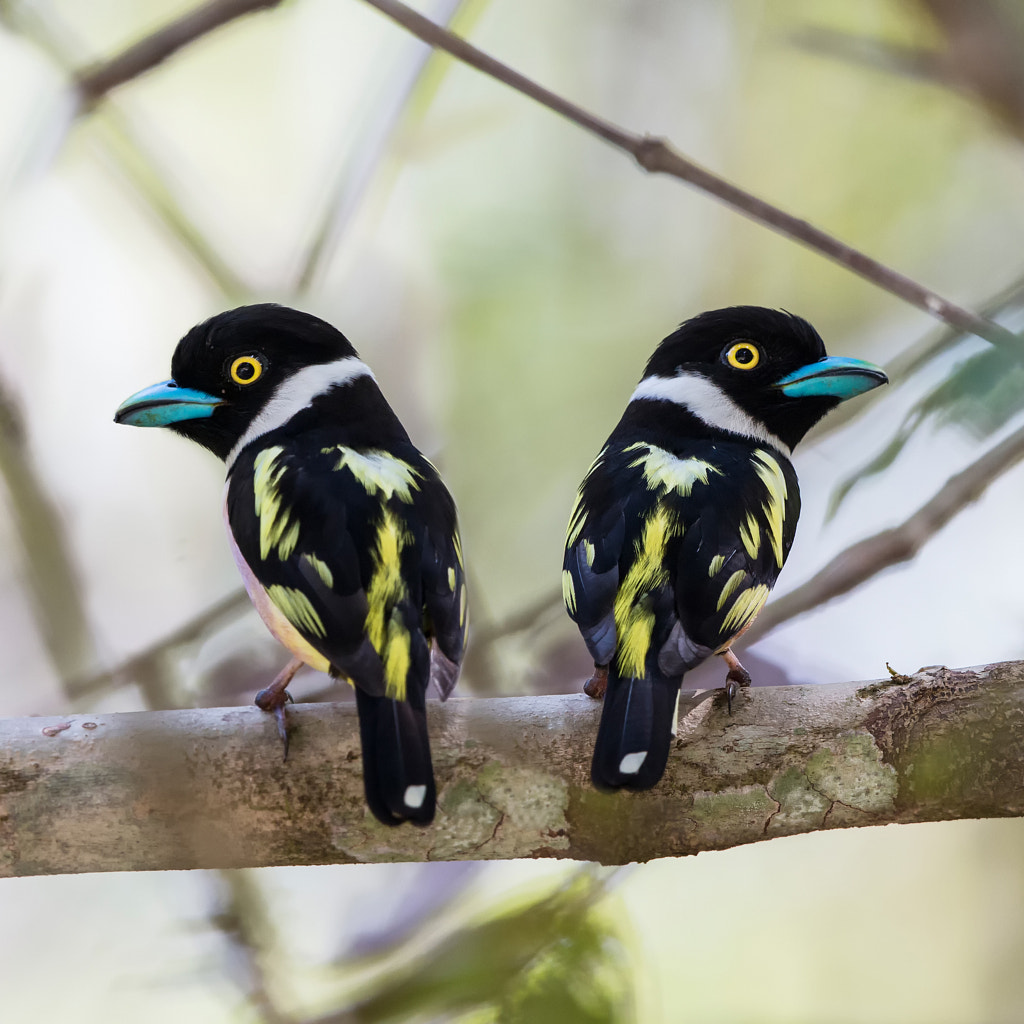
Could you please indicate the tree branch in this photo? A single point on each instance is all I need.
(653, 154)
(191, 789)
(93, 83)
(859, 562)
(657, 156)
(145, 661)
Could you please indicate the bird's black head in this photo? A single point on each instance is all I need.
(233, 368)
(754, 371)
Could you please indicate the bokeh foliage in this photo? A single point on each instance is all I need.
(507, 277)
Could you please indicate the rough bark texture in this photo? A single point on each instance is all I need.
(207, 788)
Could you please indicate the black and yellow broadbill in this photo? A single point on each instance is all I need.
(344, 533)
(684, 520)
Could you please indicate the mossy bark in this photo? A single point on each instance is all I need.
(207, 788)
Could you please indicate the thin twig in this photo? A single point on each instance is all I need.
(93, 83)
(870, 556)
(849, 569)
(918, 354)
(142, 663)
(658, 157)
(653, 154)
(362, 166)
(241, 916)
(119, 139)
(48, 565)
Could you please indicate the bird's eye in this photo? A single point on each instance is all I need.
(743, 355)
(246, 370)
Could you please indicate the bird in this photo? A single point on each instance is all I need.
(684, 520)
(346, 537)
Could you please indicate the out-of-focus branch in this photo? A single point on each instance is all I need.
(982, 59)
(657, 156)
(653, 154)
(52, 581)
(208, 788)
(145, 662)
(1006, 302)
(240, 915)
(364, 162)
(117, 138)
(93, 83)
(870, 556)
(848, 570)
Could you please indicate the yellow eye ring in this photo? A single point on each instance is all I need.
(743, 356)
(246, 370)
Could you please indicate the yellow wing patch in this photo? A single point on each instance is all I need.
(576, 520)
(716, 566)
(730, 586)
(568, 591)
(377, 471)
(770, 473)
(387, 589)
(634, 619)
(664, 472)
(578, 515)
(276, 528)
(297, 609)
(750, 534)
(321, 568)
(746, 606)
(589, 551)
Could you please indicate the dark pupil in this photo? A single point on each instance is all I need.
(245, 371)
(744, 355)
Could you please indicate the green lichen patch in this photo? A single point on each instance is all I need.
(851, 771)
(534, 804)
(465, 821)
(801, 806)
(732, 816)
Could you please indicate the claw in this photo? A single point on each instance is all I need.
(736, 677)
(596, 685)
(731, 689)
(275, 697)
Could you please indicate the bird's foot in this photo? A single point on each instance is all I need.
(736, 677)
(276, 697)
(597, 683)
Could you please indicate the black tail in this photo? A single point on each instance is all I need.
(397, 772)
(637, 724)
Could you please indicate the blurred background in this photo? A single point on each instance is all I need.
(507, 276)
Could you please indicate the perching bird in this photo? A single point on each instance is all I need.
(686, 516)
(344, 533)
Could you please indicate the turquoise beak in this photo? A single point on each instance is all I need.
(832, 377)
(165, 403)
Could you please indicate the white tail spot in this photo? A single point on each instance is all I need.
(631, 763)
(414, 796)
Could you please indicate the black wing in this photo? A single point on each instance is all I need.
(684, 544)
(359, 551)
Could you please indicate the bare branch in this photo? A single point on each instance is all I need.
(657, 156)
(144, 663)
(95, 82)
(870, 556)
(207, 788)
(50, 575)
(653, 154)
(363, 164)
